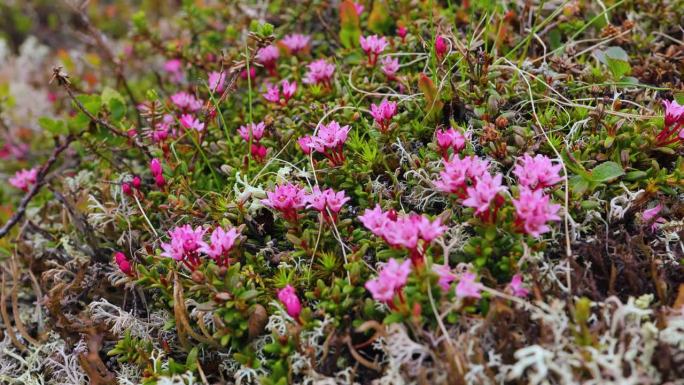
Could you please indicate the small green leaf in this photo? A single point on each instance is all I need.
(605, 172)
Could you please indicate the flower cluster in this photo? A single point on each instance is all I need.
(320, 72)
(328, 141)
(538, 172)
(287, 198)
(296, 42)
(24, 179)
(373, 46)
(253, 133)
(533, 208)
(383, 114)
(186, 102)
(327, 202)
(268, 57)
(123, 263)
(273, 93)
(389, 67)
(413, 232)
(187, 244)
(391, 279)
(157, 172)
(450, 139)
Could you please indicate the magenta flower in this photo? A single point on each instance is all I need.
(159, 180)
(533, 211)
(287, 198)
(289, 89)
(191, 123)
(401, 32)
(175, 68)
(216, 81)
(450, 138)
(124, 264)
(136, 182)
(272, 93)
(383, 114)
(328, 199)
(222, 243)
(259, 152)
(320, 72)
(413, 232)
(358, 8)
(252, 73)
(126, 188)
(268, 57)
(390, 66)
(256, 130)
(458, 172)
(516, 286)
(391, 279)
(467, 287)
(373, 46)
(186, 102)
(440, 46)
(184, 245)
(288, 297)
(481, 194)
(329, 141)
(23, 179)
(375, 220)
(538, 172)
(652, 216)
(296, 42)
(156, 167)
(446, 277)
(674, 121)
(305, 143)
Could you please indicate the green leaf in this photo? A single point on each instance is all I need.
(617, 61)
(55, 127)
(392, 318)
(605, 172)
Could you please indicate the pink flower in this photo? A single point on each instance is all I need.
(674, 112)
(286, 198)
(401, 32)
(440, 46)
(305, 144)
(329, 141)
(391, 279)
(175, 68)
(124, 264)
(126, 188)
(216, 81)
(533, 211)
(159, 180)
(24, 179)
(651, 216)
(156, 167)
(272, 93)
(186, 101)
(538, 172)
(136, 182)
(184, 245)
(252, 73)
(289, 89)
(383, 114)
(516, 286)
(375, 220)
(268, 56)
(458, 172)
(450, 138)
(190, 122)
(256, 131)
(327, 200)
(483, 192)
(358, 8)
(296, 42)
(446, 277)
(320, 72)
(259, 152)
(467, 287)
(373, 46)
(222, 243)
(390, 66)
(288, 296)
(428, 230)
